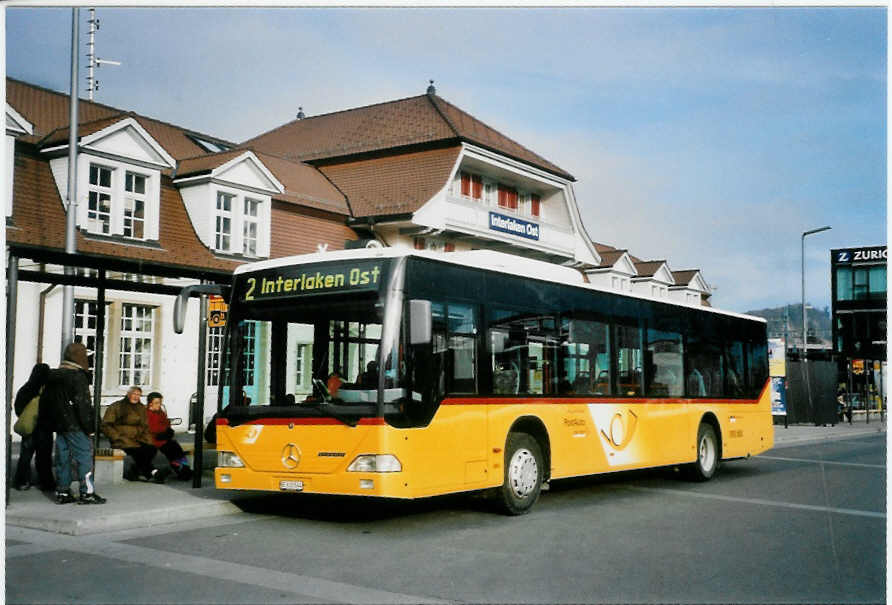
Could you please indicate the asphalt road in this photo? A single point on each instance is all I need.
(803, 524)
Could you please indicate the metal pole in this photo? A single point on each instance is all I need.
(804, 324)
(12, 293)
(71, 209)
(98, 356)
(198, 457)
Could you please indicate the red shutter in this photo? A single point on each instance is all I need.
(512, 199)
(534, 205)
(477, 187)
(449, 247)
(503, 196)
(465, 183)
(419, 243)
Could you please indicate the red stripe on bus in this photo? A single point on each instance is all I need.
(588, 400)
(311, 421)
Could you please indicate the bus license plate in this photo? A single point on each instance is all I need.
(291, 486)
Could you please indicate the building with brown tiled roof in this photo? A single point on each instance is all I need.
(158, 206)
(420, 172)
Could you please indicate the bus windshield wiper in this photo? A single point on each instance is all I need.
(324, 406)
(326, 409)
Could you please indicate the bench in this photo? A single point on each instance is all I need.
(109, 468)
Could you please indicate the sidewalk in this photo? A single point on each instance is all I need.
(138, 504)
(808, 433)
(130, 505)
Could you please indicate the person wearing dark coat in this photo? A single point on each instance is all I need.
(67, 410)
(39, 442)
(126, 424)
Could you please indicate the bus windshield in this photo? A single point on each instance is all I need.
(317, 351)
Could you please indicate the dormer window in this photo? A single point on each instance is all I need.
(134, 205)
(99, 204)
(223, 231)
(238, 219)
(116, 202)
(251, 221)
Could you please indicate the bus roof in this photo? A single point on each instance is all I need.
(491, 260)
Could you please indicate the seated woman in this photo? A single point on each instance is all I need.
(127, 428)
(162, 434)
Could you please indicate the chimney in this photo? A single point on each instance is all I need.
(430, 89)
(300, 113)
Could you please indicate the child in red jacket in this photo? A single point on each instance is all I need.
(162, 434)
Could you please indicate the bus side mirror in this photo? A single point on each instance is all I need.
(182, 302)
(419, 322)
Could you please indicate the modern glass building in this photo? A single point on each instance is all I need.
(858, 282)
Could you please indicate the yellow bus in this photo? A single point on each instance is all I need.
(408, 374)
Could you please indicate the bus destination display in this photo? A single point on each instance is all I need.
(290, 282)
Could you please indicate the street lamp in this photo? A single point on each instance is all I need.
(804, 324)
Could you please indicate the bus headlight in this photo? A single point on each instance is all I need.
(375, 463)
(229, 459)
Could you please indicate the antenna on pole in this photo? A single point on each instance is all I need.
(92, 82)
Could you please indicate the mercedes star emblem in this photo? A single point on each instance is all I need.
(290, 456)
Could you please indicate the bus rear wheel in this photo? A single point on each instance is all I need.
(524, 472)
(704, 467)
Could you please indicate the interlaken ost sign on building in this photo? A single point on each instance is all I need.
(514, 226)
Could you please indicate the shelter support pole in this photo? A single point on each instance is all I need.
(12, 294)
(71, 207)
(198, 457)
(98, 358)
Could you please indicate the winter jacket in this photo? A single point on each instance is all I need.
(65, 404)
(31, 389)
(125, 424)
(159, 427)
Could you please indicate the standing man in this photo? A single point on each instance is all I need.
(67, 409)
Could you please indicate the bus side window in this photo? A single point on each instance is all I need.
(705, 373)
(665, 367)
(524, 348)
(629, 360)
(462, 323)
(734, 369)
(585, 365)
(757, 367)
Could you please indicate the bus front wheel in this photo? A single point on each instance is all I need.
(707, 461)
(524, 471)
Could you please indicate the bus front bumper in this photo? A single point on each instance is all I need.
(383, 485)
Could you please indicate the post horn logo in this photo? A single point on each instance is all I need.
(621, 430)
(290, 456)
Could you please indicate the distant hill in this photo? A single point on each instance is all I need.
(789, 318)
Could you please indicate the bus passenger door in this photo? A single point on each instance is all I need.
(449, 453)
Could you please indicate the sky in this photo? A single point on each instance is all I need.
(708, 137)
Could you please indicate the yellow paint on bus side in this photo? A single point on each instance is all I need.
(463, 447)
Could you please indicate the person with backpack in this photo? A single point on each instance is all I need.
(34, 441)
(67, 409)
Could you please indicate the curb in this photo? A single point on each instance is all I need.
(122, 521)
(803, 439)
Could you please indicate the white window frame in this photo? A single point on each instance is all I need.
(300, 375)
(128, 372)
(214, 356)
(84, 311)
(134, 198)
(99, 192)
(240, 221)
(221, 215)
(119, 169)
(250, 219)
